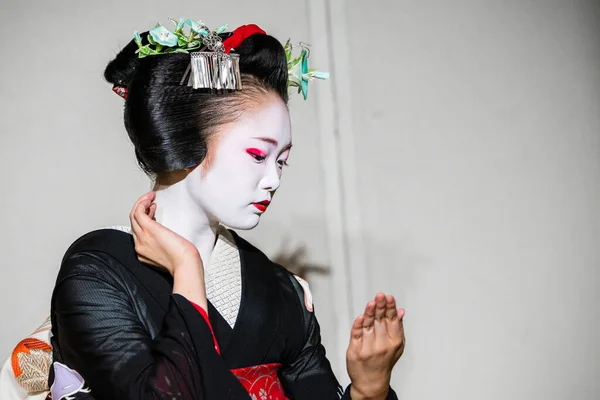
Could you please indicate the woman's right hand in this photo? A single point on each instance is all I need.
(157, 245)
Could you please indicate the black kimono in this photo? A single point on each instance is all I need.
(117, 323)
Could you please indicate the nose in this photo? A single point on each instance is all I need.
(271, 179)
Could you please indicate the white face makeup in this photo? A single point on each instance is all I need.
(246, 167)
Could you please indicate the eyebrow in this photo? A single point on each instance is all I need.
(273, 142)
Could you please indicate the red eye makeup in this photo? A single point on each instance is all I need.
(257, 154)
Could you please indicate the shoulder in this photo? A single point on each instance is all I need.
(105, 240)
(99, 253)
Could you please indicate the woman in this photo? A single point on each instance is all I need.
(181, 307)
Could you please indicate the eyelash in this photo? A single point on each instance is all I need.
(259, 157)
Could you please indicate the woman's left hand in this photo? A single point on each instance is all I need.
(376, 343)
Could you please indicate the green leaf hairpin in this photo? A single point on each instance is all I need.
(298, 72)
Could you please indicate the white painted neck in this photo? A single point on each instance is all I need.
(177, 210)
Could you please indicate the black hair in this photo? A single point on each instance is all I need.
(170, 124)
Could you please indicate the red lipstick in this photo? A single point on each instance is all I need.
(262, 206)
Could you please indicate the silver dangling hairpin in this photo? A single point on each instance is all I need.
(213, 69)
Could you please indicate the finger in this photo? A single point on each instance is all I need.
(402, 343)
(381, 322)
(357, 328)
(134, 216)
(137, 244)
(142, 198)
(140, 214)
(135, 229)
(152, 211)
(380, 306)
(145, 260)
(148, 196)
(369, 316)
(390, 308)
(395, 327)
(401, 313)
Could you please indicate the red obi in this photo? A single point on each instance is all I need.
(261, 381)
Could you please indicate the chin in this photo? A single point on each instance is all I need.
(243, 224)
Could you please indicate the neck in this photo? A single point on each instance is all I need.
(177, 211)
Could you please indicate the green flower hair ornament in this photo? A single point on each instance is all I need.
(298, 72)
(200, 38)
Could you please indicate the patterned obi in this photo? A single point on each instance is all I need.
(261, 381)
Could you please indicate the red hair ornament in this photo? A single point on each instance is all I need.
(240, 34)
(121, 91)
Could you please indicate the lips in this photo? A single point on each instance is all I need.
(262, 206)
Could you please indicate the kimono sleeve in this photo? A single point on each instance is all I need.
(100, 335)
(309, 375)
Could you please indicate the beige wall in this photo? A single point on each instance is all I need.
(477, 136)
(454, 160)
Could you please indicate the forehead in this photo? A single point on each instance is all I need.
(270, 119)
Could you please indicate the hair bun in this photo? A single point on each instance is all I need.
(121, 70)
(264, 57)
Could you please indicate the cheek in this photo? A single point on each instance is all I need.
(242, 168)
(225, 166)
(228, 178)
